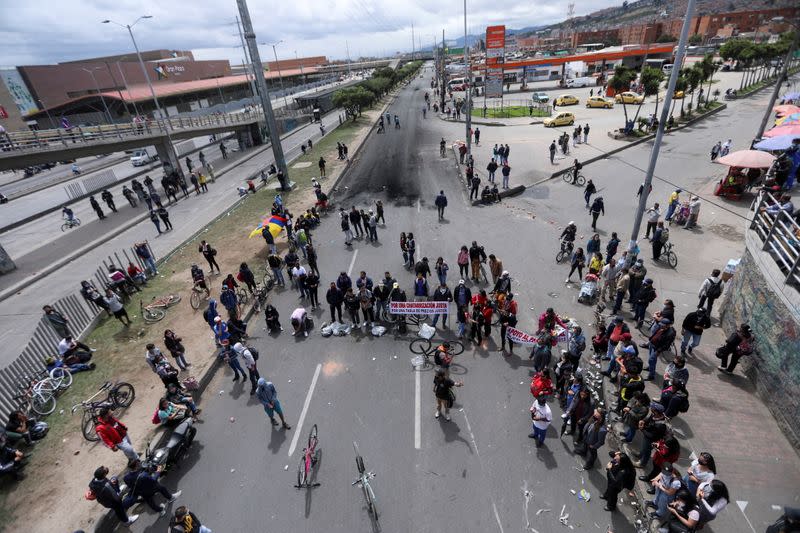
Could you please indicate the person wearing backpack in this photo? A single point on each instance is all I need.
(249, 357)
(710, 290)
(692, 329)
(741, 342)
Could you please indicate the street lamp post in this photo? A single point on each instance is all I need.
(468, 81)
(97, 86)
(280, 75)
(779, 81)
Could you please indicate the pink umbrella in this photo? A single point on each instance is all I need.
(786, 109)
(747, 159)
(790, 129)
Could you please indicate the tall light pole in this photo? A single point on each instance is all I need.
(127, 89)
(300, 63)
(779, 81)
(97, 86)
(247, 64)
(651, 167)
(141, 62)
(263, 92)
(468, 83)
(278, 64)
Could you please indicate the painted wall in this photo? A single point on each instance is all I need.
(775, 368)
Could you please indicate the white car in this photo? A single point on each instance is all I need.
(142, 157)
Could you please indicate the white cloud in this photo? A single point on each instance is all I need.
(49, 31)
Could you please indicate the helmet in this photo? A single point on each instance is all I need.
(39, 430)
(505, 272)
(571, 223)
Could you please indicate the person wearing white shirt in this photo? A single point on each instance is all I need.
(712, 498)
(299, 273)
(69, 347)
(653, 214)
(541, 416)
(702, 470)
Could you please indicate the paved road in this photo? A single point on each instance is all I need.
(469, 473)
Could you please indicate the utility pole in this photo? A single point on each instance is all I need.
(779, 83)
(347, 49)
(442, 80)
(412, 41)
(468, 82)
(248, 64)
(263, 92)
(125, 82)
(648, 180)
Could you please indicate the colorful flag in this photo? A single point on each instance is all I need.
(161, 71)
(275, 224)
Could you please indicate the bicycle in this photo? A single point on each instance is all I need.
(61, 377)
(119, 395)
(242, 295)
(197, 296)
(309, 460)
(363, 481)
(70, 223)
(155, 310)
(565, 252)
(580, 180)
(34, 397)
(424, 349)
(669, 255)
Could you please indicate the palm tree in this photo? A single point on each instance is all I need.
(621, 82)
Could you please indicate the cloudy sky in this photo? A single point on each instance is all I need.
(49, 31)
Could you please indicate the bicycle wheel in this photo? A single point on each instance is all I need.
(173, 299)
(672, 259)
(371, 506)
(359, 459)
(243, 296)
(567, 177)
(153, 315)
(194, 300)
(456, 348)
(62, 377)
(46, 387)
(88, 427)
(269, 280)
(420, 346)
(302, 478)
(581, 180)
(65, 226)
(123, 394)
(560, 256)
(312, 438)
(43, 404)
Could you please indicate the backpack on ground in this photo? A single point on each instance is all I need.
(714, 290)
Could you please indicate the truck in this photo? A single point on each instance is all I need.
(585, 81)
(143, 156)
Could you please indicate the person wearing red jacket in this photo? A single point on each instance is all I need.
(542, 384)
(114, 434)
(549, 319)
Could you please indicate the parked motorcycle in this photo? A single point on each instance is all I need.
(179, 442)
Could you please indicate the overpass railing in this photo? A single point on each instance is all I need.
(26, 141)
(780, 235)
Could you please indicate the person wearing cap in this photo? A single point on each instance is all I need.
(638, 272)
(741, 342)
(672, 204)
(381, 294)
(502, 284)
(653, 428)
(694, 212)
(620, 475)
(541, 416)
(660, 341)
(692, 329)
(666, 485)
(249, 363)
(644, 296)
(221, 332)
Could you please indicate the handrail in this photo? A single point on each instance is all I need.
(17, 142)
(779, 234)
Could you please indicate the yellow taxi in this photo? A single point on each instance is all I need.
(566, 99)
(599, 101)
(678, 95)
(561, 119)
(629, 97)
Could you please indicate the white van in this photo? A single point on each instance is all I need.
(457, 84)
(587, 81)
(142, 156)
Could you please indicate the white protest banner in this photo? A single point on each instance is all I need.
(520, 337)
(419, 308)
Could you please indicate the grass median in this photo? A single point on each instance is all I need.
(508, 112)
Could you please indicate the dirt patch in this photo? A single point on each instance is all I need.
(65, 459)
(726, 231)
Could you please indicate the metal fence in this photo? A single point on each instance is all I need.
(44, 341)
(780, 235)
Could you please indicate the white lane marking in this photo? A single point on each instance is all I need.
(299, 426)
(480, 462)
(742, 505)
(352, 262)
(417, 410)
(419, 205)
(497, 517)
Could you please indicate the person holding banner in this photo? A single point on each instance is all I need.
(442, 294)
(507, 320)
(476, 322)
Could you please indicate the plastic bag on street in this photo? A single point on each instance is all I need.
(327, 331)
(426, 331)
(378, 331)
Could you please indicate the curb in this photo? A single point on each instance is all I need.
(513, 191)
(631, 144)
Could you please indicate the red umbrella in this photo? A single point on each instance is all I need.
(747, 159)
(789, 129)
(786, 109)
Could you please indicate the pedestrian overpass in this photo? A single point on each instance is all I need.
(26, 148)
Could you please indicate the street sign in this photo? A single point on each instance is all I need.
(495, 57)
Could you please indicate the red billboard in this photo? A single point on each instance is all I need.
(495, 55)
(495, 41)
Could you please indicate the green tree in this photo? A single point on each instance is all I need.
(666, 38)
(708, 67)
(384, 72)
(621, 82)
(694, 78)
(680, 85)
(377, 86)
(650, 79)
(695, 39)
(353, 100)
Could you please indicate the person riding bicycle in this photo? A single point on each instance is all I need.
(67, 214)
(569, 232)
(76, 169)
(442, 146)
(199, 279)
(576, 168)
(503, 284)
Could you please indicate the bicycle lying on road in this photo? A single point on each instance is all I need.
(155, 310)
(425, 350)
(308, 462)
(118, 395)
(363, 481)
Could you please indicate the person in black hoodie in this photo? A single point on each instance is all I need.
(106, 492)
(692, 329)
(145, 485)
(441, 294)
(335, 297)
(653, 428)
(620, 475)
